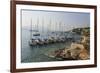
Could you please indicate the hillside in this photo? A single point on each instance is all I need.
(82, 31)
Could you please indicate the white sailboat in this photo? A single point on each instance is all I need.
(34, 34)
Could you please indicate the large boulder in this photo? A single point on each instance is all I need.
(75, 50)
(78, 51)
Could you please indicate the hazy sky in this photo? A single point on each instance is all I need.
(55, 20)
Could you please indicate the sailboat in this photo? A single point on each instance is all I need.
(34, 34)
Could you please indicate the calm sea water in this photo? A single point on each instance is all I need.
(37, 53)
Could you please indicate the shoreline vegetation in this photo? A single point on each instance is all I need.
(77, 51)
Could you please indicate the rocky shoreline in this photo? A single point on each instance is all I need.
(76, 51)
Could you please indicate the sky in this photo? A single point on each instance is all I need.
(54, 20)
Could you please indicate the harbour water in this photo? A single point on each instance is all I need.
(37, 53)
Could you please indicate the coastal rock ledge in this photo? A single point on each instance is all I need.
(75, 52)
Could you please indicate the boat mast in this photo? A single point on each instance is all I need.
(42, 26)
(60, 28)
(50, 26)
(56, 29)
(47, 29)
(63, 28)
(31, 29)
(37, 24)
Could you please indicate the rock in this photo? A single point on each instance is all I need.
(78, 51)
(84, 55)
(59, 53)
(86, 42)
(75, 52)
(77, 46)
(66, 53)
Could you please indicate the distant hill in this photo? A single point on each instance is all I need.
(82, 31)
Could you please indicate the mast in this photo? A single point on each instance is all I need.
(50, 25)
(37, 23)
(31, 29)
(60, 28)
(63, 28)
(42, 25)
(56, 29)
(48, 29)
